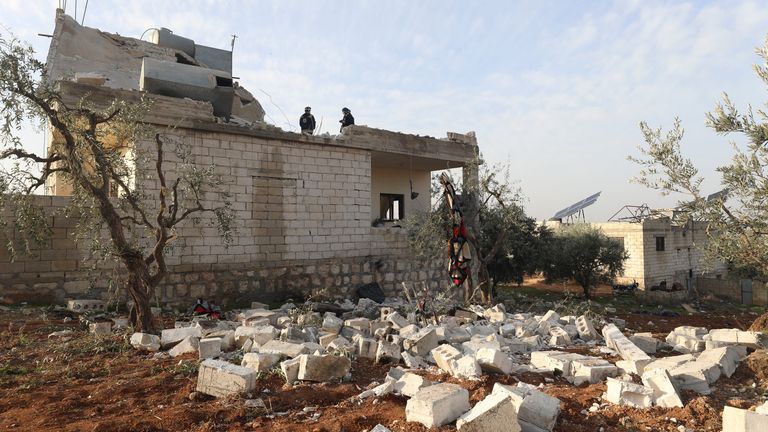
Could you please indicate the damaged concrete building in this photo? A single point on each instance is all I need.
(312, 212)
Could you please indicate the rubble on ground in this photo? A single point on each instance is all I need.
(311, 347)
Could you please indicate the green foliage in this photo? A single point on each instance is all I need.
(737, 224)
(583, 253)
(108, 154)
(185, 369)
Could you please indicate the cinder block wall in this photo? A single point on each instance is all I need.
(303, 226)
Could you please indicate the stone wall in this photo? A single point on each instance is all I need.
(303, 213)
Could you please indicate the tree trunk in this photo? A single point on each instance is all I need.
(140, 291)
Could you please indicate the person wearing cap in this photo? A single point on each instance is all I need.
(307, 122)
(347, 120)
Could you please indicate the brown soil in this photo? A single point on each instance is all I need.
(760, 324)
(90, 384)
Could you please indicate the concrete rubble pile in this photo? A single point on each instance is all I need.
(314, 347)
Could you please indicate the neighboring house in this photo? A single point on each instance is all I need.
(305, 205)
(661, 250)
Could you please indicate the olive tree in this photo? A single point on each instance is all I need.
(105, 155)
(737, 220)
(583, 253)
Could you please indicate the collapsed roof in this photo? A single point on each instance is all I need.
(169, 65)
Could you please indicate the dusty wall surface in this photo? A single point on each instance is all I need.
(395, 181)
(304, 226)
(730, 289)
(632, 236)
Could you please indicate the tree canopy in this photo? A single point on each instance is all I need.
(106, 154)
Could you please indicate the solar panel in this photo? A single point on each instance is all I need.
(575, 208)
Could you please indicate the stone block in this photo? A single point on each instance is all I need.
(332, 323)
(409, 384)
(220, 379)
(645, 341)
(591, 370)
(536, 411)
(550, 316)
(341, 345)
(397, 320)
(555, 360)
(466, 367)
(422, 342)
(260, 362)
(327, 339)
(559, 337)
(363, 325)
(387, 352)
(669, 363)
(189, 344)
(90, 305)
(665, 394)
(740, 420)
(209, 348)
(145, 342)
(226, 338)
(412, 361)
(726, 357)
(494, 361)
(696, 376)
(170, 337)
(258, 334)
(290, 370)
(494, 413)
(685, 343)
(437, 405)
(444, 355)
(287, 349)
(366, 348)
(323, 368)
(627, 393)
(409, 330)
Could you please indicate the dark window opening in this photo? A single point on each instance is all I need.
(659, 244)
(391, 207)
(184, 59)
(223, 81)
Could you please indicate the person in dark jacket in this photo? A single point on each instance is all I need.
(347, 120)
(307, 122)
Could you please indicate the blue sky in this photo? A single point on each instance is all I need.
(554, 88)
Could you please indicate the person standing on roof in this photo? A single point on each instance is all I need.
(307, 122)
(347, 120)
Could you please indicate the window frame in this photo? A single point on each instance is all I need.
(660, 243)
(390, 200)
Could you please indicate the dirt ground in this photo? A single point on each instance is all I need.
(101, 384)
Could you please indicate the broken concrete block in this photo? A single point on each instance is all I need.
(327, 339)
(409, 384)
(740, 420)
(411, 361)
(258, 334)
(257, 317)
(727, 358)
(219, 378)
(536, 411)
(397, 320)
(380, 428)
(209, 348)
(366, 348)
(470, 347)
(555, 360)
(665, 394)
(332, 323)
(387, 352)
(100, 328)
(145, 342)
(466, 367)
(422, 342)
(323, 368)
(260, 361)
(286, 349)
(645, 341)
(753, 339)
(669, 363)
(340, 344)
(444, 355)
(550, 316)
(190, 344)
(591, 370)
(468, 315)
(685, 343)
(616, 340)
(437, 405)
(81, 306)
(559, 337)
(170, 337)
(226, 338)
(409, 330)
(493, 360)
(695, 376)
(290, 370)
(494, 413)
(728, 336)
(628, 393)
(495, 315)
(363, 325)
